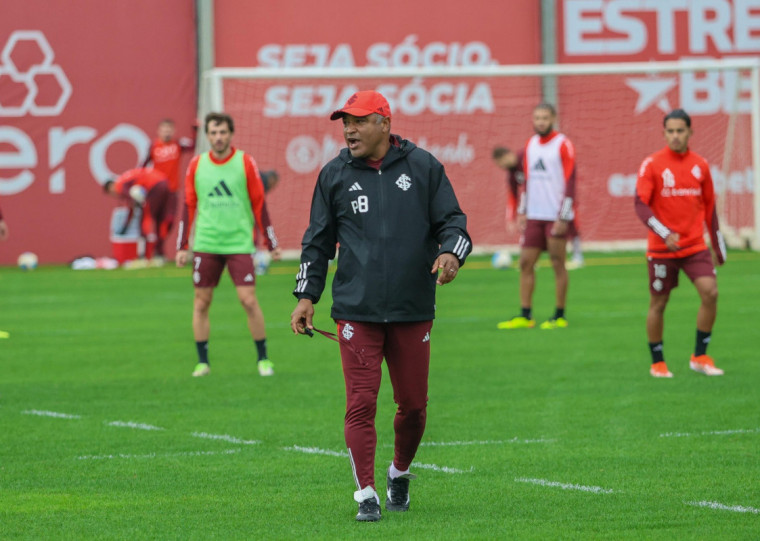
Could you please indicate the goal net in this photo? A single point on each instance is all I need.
(611, 112)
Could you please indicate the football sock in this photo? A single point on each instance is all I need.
(525, 312)
(261, 348)
(202, 348)
(559, 312)
(703, 340)
(655, 348)
(395, 472)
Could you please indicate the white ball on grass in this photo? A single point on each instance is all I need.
(28, 261)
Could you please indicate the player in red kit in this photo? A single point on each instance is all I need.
(165, 152)
(675, 199)
(511, 162)
(149, 189)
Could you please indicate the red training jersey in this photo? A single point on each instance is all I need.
(675, 194)
(166, 156)
(255, 194)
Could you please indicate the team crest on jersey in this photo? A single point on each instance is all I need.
(348, 331)
(668, 179)
(404, 182)
(697, 172)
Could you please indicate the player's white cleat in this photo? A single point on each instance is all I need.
(266, 368)
(704, 365)
(201, 369)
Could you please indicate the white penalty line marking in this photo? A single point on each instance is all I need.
(157, 455)
(344, 454)
(710, 433)
(224, 437)
(564, 486)
(55, 414)
(483, 442)
(137, 426)
(723, 507)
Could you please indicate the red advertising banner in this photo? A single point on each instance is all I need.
(613, 31)
(82, 91)
(284, 123)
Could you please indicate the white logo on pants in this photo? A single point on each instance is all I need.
(348, 331)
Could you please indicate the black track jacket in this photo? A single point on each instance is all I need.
(391, 224)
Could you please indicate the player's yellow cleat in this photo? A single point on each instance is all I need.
(518, 322)
(554, 323)
(660, 370)
(704, 365)
(266, 368)
(201, 369)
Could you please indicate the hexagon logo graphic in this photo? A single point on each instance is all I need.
(23, 79)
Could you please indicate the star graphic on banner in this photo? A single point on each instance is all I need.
(652, 91)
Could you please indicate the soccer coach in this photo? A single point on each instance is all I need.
(392, 209)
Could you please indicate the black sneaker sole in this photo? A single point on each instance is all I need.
(368, 518)
(390, 506)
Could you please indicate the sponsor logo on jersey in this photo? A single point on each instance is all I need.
(348, 331)
(539, 165)
(355, 187)
(404, 182)
(220, 189)
(668, 179)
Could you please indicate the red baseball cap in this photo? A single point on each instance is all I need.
(363, 103)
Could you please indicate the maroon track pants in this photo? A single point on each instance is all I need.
(406, 348)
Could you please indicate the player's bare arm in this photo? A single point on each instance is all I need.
(448, 265)
(302, 317)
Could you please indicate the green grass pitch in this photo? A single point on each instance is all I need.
(531, 434)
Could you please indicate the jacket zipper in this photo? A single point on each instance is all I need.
(383, 233)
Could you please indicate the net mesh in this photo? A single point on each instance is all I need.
(612, 122)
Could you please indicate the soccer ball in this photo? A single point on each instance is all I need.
(27, 261)
(501, 260)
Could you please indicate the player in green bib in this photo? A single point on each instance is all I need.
(224, 197)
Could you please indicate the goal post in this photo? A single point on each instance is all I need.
(612, 113)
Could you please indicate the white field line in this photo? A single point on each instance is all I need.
(482, 442)
(224, 437)
(723, 507)
(157, 455)
(710, 433)
(564, 486)
(316, 451)
(55, 414)
(130, 424)
(343, 454)
(442, 469)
